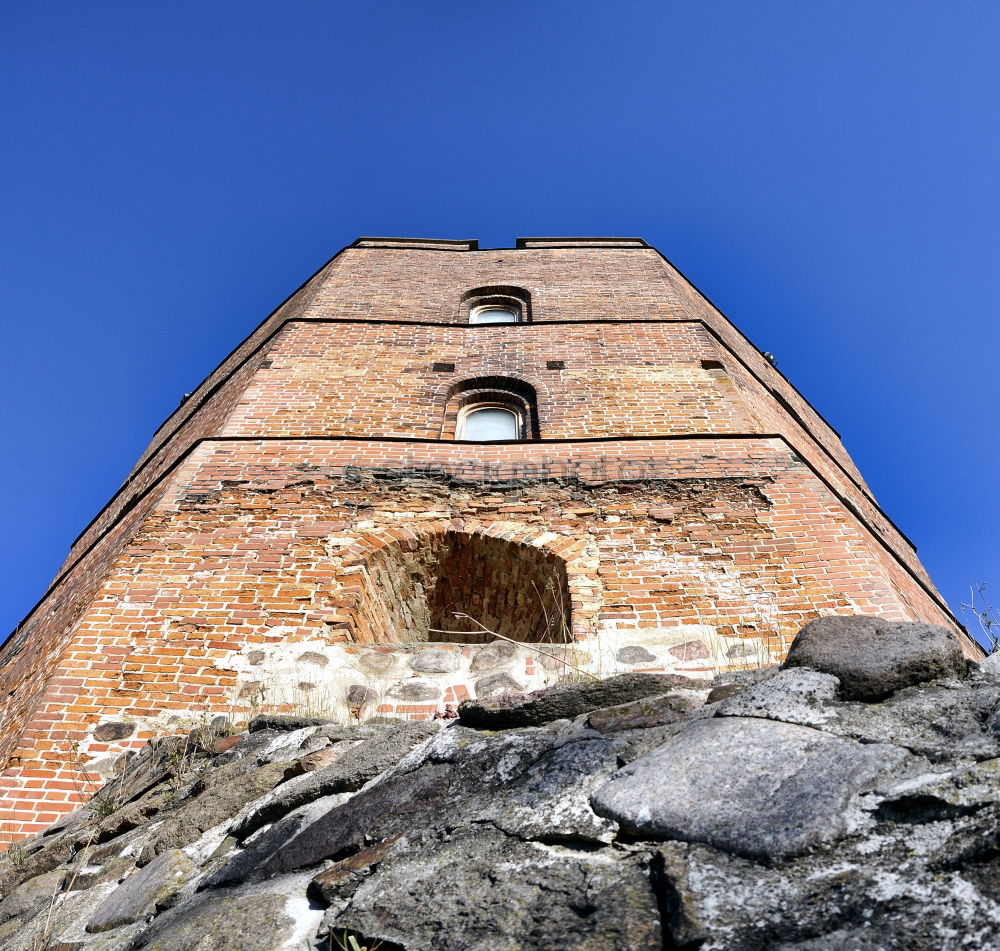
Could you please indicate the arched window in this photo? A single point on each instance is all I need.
(496, 304)
(490, 409)
(495, 314)
(490, 423)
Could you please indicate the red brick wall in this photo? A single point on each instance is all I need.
(297, 529)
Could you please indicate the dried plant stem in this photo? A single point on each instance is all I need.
(485, 630)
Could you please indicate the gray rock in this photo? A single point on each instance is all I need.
(156, 762)
(248, 923)
(354, 732)
(993, 724)
(306, 839)
(115, 730)
(480, 890)
(375, 662)
(497, 683)
(232, 788)
(486, 761)
(551, 799)
(59, 926)
(414, 691)
(360, 764)
(629, 745)
(644, 713)
(266, 746)
(435, 660)
(991, 664)
(871, 894)
(797, 695)
(567, 700)
(38, 862)
(32, 895)
(9, 929)
(959, 791)
(359, 695)
(284, 722)
(313, 657)
(633, 654)
(873, 658)
(497, 654)
(943, 722)
(143, 893)
(112, 870)
(733, 681)
(756, 788)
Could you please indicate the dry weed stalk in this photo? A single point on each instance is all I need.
(510, 640)
(987, 616)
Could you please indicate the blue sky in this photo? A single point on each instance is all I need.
(825, 172)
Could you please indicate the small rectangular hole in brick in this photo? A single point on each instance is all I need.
(444, 367)
(555, 364)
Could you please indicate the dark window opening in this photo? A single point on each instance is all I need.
(469, 589)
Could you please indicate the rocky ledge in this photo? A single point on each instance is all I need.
(847, 800)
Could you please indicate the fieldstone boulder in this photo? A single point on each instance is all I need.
(497, 683)
(376, 663)
(991, 664)
(283, 722)
(434, 660)
(756, 788)
(497, 654)
(308, 837)
(358, 695)
(566, 700)
(873, 658)
(414, 691)
(32, 895)
(261, 922)
(634, 654)
(113, 730)
(480, 890)
(720, 902)
(796, 695)
(232, 788)
(380, 751)
(551, 798)
(643, 714)
(140, 895)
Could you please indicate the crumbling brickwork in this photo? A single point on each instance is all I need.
(306, 533)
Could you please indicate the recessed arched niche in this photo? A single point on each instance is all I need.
(463, 588)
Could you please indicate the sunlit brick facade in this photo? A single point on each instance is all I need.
(306, 532)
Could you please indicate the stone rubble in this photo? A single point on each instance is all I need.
(847, 800)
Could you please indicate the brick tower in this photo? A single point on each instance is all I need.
(427, 457)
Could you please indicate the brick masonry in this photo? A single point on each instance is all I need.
(305, 533)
